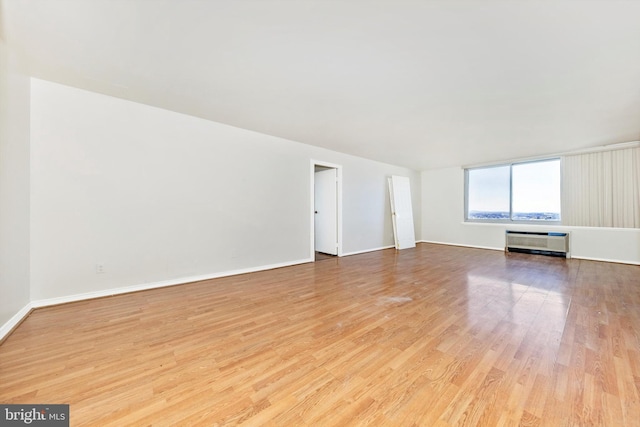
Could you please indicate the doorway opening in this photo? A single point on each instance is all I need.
(326, 210)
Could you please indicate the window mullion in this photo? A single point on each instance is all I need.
(511, 192)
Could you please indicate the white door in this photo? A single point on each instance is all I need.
(326, 211)
(401, 212)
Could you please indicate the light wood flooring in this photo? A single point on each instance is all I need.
(432, 336)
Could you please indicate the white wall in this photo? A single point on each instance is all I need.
(154, 195)
(443, 222)
(14, 190)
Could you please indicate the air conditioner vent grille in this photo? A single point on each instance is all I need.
(538, 242)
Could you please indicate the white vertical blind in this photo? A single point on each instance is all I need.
(602, 189)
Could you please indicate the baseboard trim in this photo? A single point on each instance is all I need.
(154, 285)
(14, 322)
(368, 250)
(616, 261)
(463, 246)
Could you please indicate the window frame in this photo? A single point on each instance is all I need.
(509, 220)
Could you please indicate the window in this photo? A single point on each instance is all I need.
(515, 192)
(489, 193)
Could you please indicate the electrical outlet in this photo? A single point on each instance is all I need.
(99, 268)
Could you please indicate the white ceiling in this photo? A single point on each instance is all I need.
(422, 84)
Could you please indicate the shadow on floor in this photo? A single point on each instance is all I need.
(322, 256)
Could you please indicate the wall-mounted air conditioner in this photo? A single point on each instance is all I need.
(547, 243)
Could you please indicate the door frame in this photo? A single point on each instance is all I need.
(312, 237)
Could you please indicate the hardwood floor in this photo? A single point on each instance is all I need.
(319, 256)
(432, 336)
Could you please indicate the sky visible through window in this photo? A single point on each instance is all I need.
(535, 192)
(536, 187)
(489, 189)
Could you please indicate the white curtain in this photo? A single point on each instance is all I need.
(602, 189)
